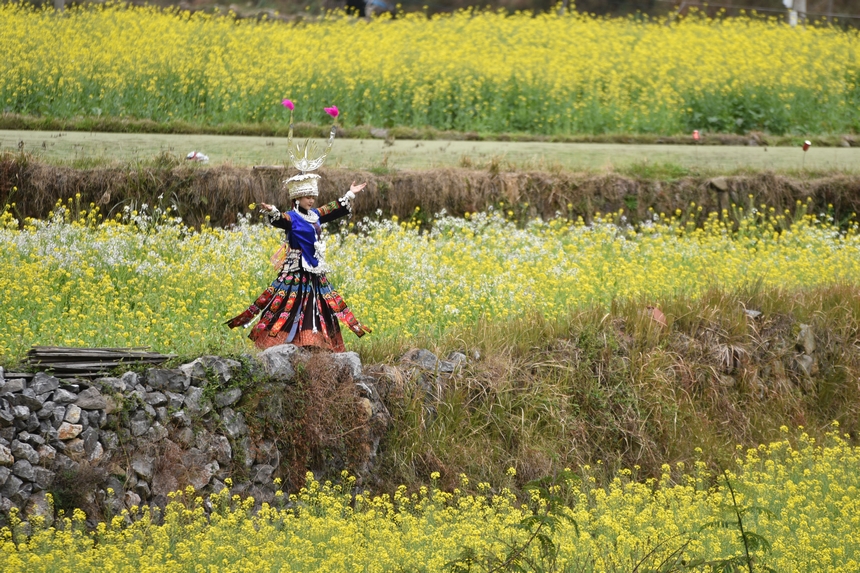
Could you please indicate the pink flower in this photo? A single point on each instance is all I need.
(332, 111)
(289, 105)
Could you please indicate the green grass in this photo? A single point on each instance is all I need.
(87, 149)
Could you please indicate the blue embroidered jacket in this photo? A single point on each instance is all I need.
(301, 234)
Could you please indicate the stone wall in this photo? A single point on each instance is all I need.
(143, 434)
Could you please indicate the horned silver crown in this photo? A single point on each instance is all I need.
(306, 158)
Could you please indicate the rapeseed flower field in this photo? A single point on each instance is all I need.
(797, 499)
(470, 71)
(143, 278)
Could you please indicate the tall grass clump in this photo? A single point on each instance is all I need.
(612, 383)
(469, 71)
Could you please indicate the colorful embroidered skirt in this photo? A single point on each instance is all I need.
(302, 309)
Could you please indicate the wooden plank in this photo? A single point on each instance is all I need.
(102, 364)
(74, 349)
(89, 362)
(79, 365)
(114, 358)
(90, 352)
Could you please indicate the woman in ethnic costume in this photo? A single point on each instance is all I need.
(300, 307)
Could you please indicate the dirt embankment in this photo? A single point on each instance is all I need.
(223, 192)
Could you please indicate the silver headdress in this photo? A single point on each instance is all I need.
(302, 185)
(305, 158)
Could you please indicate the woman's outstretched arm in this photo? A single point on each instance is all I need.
(276, 218)
(340, 207)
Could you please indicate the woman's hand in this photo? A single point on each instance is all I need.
(265, 207)
(357, 188)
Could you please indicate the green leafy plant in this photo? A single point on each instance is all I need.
(750, 540)
(547, 507)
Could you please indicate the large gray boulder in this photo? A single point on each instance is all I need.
(21, 412)
(64, 396)
(44, 383)
(12, 487)
(6, 458)
(349, 361)
(109, 384)
(91, 399)
(139, 423)
(423, 359)
(14, 385)
(142, 466)
(234, 423)
(29, 399)
(172, 379)
(214, 368)
(24, 470)
(278, 361)
(43, 477)
(196, 404)
(224, 369)
(227, 397)
(24, 451)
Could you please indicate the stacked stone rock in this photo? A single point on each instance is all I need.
(160, 429)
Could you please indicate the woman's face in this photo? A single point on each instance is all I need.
(307, 202)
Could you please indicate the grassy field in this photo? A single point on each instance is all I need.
(87, 149)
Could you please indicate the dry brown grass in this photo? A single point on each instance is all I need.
(612, 384)
(76, 488)
(223, 192)
(314, 421)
